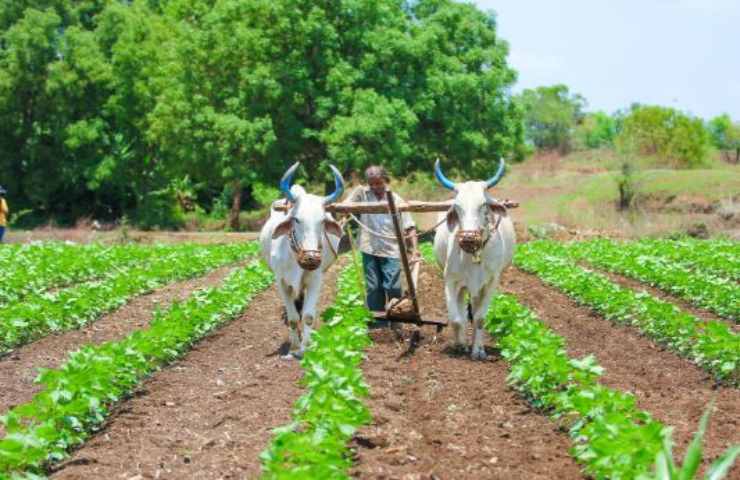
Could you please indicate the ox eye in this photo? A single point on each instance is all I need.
(296, 220)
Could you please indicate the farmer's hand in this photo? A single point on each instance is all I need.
(415, 257)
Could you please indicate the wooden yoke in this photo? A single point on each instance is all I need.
(359, 208)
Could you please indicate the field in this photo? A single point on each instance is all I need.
(164, 361)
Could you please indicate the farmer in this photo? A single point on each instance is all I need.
(3, 213)
(378, 244)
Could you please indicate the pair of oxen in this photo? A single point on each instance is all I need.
(473, 246)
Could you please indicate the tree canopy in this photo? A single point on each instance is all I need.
(107, 105)
(551, 115)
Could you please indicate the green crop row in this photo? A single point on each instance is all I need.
(29, 254)
(71, 308)
(720, 258)
(314, 445)
(712, 345)
(55, 267)
(76, 398)
(612, 438)
(717, 294)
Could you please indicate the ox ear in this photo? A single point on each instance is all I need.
(333, 227)
(283, 228)
(498, 208)
(452, 219)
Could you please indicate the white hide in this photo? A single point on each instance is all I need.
(479, 274)
(290, 278)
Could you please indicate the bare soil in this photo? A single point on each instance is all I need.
(211, 414)
(670, 388)
(439, 415)
(18, 369)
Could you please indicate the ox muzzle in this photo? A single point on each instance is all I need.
(470, 240)
(309, 259)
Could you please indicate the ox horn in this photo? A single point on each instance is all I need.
(499, 173)
(338, 186)
(287, 180)
(447, 183)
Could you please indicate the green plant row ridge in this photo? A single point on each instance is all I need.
(76, 398)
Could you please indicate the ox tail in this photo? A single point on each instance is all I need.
(470, 312)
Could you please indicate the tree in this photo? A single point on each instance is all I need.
(108, 105)
(665, 133)
(725, 136)
(596, 130)
(551, 115)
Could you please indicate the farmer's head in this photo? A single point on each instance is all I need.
(377, 179)
(3, 192)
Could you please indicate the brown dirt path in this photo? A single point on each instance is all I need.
(18, 369)
(438, 415)
(211, 414)
(672, 389)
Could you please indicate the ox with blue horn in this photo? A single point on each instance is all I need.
(473, 247)
(300, 244)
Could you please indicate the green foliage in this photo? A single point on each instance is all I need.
(716, 257)
(596, 130)
(40, 313)
(717, 294)
(666, 469)
(711, 345)
(725, 136)
(669, 134)
(551, 115)
(59, 265)
(110, 101)
(77, 397)
(314, 445)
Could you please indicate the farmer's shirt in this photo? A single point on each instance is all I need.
(3, 213)
(381, 223)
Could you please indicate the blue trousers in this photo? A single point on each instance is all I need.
(2, 234)
(382, 280)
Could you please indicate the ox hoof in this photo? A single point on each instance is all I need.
(458, 349)
(293, 356)
(479, 354)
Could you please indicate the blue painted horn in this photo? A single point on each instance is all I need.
(500, 173)
(446, 182)
(338, 186)
(287, 180)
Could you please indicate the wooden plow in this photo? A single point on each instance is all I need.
(406, 308)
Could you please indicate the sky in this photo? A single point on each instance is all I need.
(679, 53)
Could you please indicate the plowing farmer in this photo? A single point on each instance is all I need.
(3, 213)
(378, 244)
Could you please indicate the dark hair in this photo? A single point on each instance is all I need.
(375, 171)
(2, 191)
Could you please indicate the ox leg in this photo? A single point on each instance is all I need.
(308, 315)
(480, 308)
(293, 317)
(455, 298)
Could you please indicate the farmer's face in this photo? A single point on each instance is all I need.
(377, 185)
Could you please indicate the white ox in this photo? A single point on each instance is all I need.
(473, 246)
(294, 245)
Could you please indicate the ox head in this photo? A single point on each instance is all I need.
(472, 208)
(307, 220)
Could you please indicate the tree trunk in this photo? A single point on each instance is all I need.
(236, 206)
(737, 156)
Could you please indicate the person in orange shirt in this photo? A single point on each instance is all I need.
(3, 213)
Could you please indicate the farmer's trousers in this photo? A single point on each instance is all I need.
(382, 279)
(2, 234)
